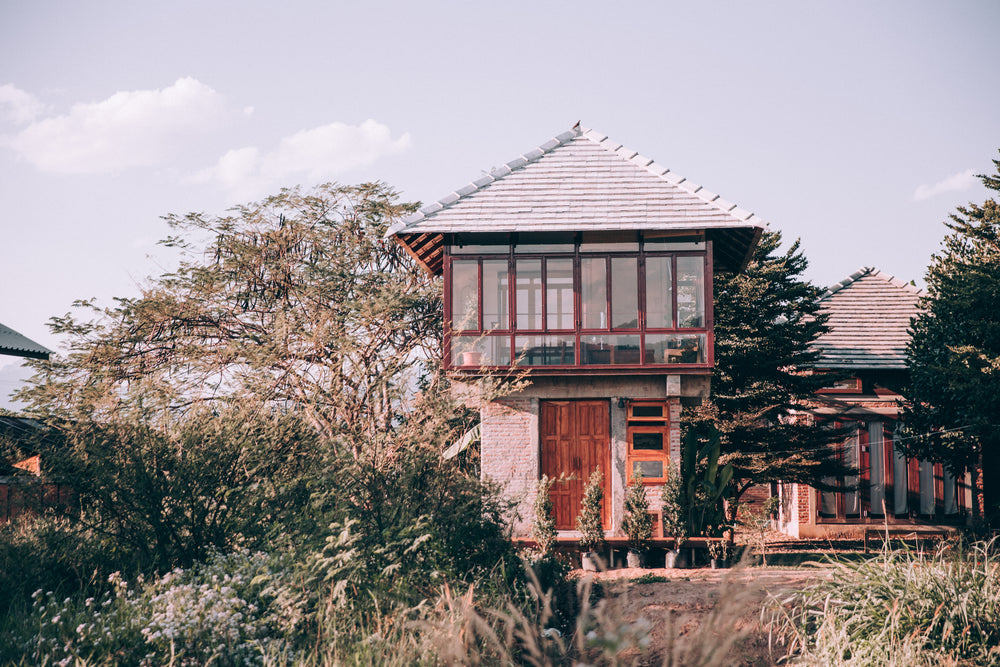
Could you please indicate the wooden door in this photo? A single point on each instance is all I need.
(575, 440)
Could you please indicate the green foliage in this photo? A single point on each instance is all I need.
(757, 521)
(637, 523)
(589, 521)
(297, 302)
(901, 608)
(703, 486)
(765, 321)
(543, 521)
(954, 351)
(676, 510)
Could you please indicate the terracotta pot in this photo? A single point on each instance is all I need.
(471, 358)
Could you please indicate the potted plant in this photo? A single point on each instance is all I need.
(719, 553)
(675, 516)
(588, 522)
(637, 523)
(543, 525)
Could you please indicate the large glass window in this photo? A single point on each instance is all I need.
(596, 302)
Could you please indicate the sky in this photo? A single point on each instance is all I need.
(856, 127)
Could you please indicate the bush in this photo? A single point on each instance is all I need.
(589, 521)
(637, 523)
(900, 608)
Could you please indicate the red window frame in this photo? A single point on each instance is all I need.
(511, 332)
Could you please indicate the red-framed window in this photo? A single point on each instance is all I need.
(647, 434)
(583, 301)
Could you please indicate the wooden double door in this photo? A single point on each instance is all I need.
(575, 441)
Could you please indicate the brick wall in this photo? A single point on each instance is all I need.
(510, 452)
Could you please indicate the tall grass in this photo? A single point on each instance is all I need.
(901, 608)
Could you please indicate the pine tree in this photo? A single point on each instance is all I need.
(765, 321)
(543, 524)
(637, 523)
(954, 352)
(588, 522)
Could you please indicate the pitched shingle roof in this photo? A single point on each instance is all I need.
(581, 181)
(870, 314)
(14, 344)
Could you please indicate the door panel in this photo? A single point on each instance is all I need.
(575, 440)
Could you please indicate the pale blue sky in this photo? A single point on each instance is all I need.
(852, 125)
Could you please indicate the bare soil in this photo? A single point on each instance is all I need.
(695, 612)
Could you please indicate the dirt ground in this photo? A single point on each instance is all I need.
(699, 615)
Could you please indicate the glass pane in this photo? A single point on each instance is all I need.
(543, 242)
(828, 500)
(545, 350)
(900, 482)
(852, 500)
(659, 299)
(656, 241)
(690, 292)
(529, 293)
(465, 294)
(594, 292)
(675, 348)
(559, 294)
(649, 469)
(950, 495)
(876, 473)
(647, 411)
(495, 313)
(624, 293)
(609, 242)
(476, 351)
(466, 244)
(648, 441)
(609, 350)
(926, 487)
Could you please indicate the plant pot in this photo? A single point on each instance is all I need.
(471, 359)
(590, 561)
(719, 563)
(678, 558)
(635, 559)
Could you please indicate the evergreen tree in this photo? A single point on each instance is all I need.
(954, 353)
(765, 321)
(588, 522)
(637, 522)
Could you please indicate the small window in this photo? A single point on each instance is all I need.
(648, 437)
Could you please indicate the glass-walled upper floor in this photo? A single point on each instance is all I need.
(622, 299)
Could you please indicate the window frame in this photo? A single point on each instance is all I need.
(638, 361)
(647, 424)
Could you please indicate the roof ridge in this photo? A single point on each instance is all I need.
(875, 273)
(602, 140)
(495, 174)
(671, 177)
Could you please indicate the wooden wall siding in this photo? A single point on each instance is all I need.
(869, 322)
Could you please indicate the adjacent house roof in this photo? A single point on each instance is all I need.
(581, 181)
(14, 344)
(869, 322)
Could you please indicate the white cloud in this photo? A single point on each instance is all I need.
(129, 129)
(319, 154)
(963, 180)
(17, 106)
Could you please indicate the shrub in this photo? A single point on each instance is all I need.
(589, 521)
(675, 507)
(543, 521)
(900, 608)
(637, 522)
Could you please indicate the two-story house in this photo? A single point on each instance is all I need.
(590, 267)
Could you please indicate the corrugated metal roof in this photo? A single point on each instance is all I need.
(869, 322)
(580, 181)
(17, 345)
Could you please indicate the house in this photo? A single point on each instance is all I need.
(589, 267)
(869, 319)
(14, 344)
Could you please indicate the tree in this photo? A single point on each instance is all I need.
(954, 351)
(766, 319)
(297, 302)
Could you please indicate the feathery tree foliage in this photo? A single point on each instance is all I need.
(954, 352)
(297, 302)
(765, 320)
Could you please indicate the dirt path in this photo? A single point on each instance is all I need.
(700, 616)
